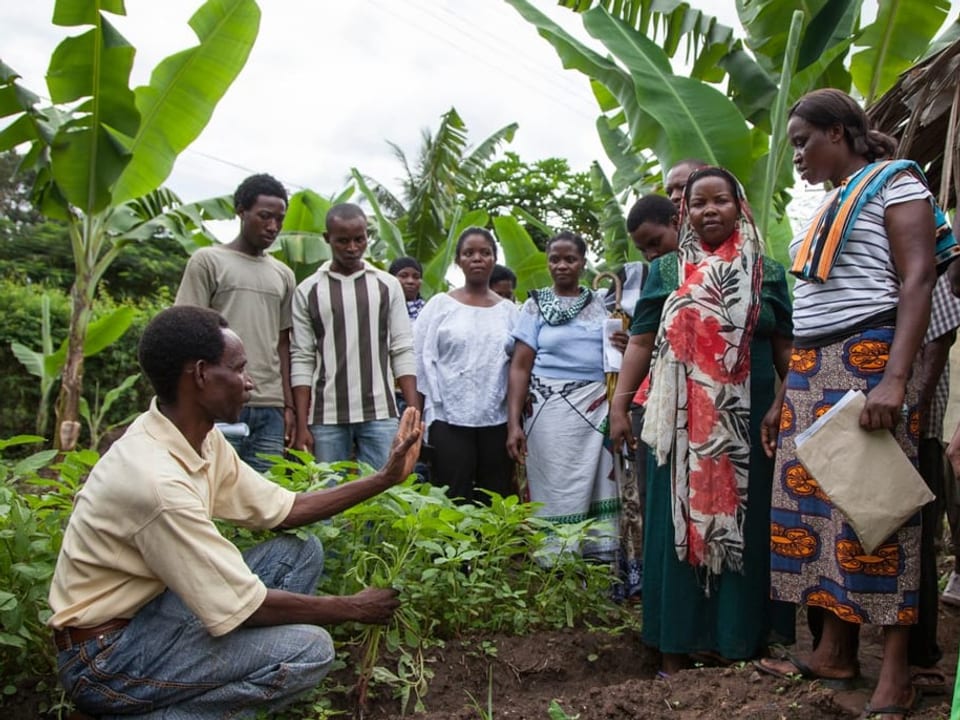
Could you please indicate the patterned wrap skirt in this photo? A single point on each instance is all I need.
(816, 558)
(569, 462)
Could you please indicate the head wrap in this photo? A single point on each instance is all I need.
(402, 263)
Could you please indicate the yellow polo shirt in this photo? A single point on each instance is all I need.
(142, 523)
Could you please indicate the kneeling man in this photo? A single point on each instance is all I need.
(154, 612)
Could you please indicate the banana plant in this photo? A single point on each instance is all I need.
(670, 117)
(47, 364)
(522, 255)
(674, 116)
(435, 270)
(96, 416)
(102, 146)
(898, 37)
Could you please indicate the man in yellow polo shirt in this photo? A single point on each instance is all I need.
(157, 614)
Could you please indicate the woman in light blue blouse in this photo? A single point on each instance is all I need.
(557, 401)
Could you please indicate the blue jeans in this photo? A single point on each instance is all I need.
(266, 436)
(333, 443)
(165, 664)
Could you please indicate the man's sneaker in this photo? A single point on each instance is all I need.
(951, 593)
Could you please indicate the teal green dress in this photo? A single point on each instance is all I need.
(739, 619)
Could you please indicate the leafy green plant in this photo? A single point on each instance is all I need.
(556, 712)
(484, 713)
(102, 150)
(33, 514)
(460, 569)
(727, 106)
(20, 323)
(96, 417)
(47, 364)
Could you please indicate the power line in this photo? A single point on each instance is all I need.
(469, 29)
(508, 72)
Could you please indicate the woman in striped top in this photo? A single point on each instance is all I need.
(865, 268)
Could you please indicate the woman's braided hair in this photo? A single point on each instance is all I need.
(827, 107)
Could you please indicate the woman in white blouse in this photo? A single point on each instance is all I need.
(461, 340)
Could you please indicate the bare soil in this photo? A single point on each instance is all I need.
(593, 675)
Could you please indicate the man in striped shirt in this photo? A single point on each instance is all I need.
(351, 337)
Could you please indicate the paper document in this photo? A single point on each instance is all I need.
(865, 474)
(612, 358)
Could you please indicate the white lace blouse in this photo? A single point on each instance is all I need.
(463, 361)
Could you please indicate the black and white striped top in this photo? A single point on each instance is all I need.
(351, 334)
(863, 282)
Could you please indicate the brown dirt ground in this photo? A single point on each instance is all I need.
(593, 676)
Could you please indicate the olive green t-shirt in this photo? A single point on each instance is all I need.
(254, 294)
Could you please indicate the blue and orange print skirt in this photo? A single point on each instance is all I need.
(816, 558)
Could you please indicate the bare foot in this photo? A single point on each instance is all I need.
(671, 663)
(790, 665)
(890, 703)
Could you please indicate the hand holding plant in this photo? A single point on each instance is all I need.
(375, 606)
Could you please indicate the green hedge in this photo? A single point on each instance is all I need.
(20, 322)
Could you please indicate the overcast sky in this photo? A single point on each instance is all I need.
(327, 83)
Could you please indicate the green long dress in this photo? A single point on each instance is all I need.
(738, 620)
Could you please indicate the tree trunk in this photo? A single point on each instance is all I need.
(71, 384)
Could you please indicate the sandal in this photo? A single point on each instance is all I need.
(928, 679)
(905, 710)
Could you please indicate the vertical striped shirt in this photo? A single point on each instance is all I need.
(351, 337)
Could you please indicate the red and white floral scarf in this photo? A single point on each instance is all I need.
(698, 412)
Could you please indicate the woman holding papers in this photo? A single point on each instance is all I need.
(865, 269)
(715, 319)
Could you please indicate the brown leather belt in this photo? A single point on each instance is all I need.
(70, 637)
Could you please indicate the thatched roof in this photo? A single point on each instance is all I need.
(923, 112)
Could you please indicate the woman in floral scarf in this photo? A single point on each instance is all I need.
(714, 324)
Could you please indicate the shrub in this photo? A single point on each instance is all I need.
(460, 569)
(33, 514)
(21, 323)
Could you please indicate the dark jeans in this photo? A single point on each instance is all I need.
(266, 436)
(466, 459)
(165, 664)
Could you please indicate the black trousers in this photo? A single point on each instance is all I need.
(466, 459)
(923, 649)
